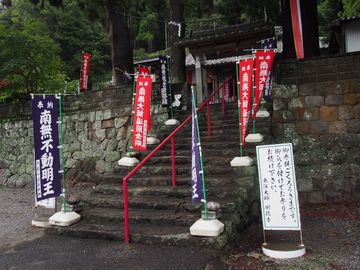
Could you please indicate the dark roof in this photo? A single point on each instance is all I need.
(342, 21)
(225, 34)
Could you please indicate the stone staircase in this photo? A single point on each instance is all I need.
(159, 213)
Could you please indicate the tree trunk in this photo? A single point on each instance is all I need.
(121, 47)
(177, 54)
(310, 26)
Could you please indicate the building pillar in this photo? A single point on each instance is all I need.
(200, 79)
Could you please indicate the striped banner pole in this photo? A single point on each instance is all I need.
(297, 28)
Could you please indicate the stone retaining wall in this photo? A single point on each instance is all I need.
(96, 131)
(316, 106)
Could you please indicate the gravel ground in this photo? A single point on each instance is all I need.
(16, 211)
(331, 236)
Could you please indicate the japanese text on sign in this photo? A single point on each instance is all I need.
(164, 82)
(278, 193)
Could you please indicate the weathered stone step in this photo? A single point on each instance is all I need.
(230, 122)
(186, 160)
(219, 125)
(216, 134)
(153, 202)
(181, 169)
(139, 233)
(224, 140)
(209, 155)
(143, 202)
(155, 180)
(169, 217)
(181, 191)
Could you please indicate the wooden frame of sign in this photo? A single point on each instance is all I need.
(279, 200)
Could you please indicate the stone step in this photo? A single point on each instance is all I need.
(225, 142)
(211, 153)
(180, 191)
(139, 233)
(155, 180)
(227, 123)
(169, 217)
(181, 169)
(159, 202)
(186, 160)
(228, 129)
(216, 134)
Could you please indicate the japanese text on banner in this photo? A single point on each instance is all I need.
(164, 81)
(46, 142)
(246, 82)
(85, 70)
(141, 123)
(196, 180)
(263, 64)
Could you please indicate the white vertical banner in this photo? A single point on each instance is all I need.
(278, 192)
(47, 203)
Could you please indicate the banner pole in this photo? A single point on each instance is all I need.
(200, 152)
(264, 234)
(129, 146)
(239, 116)
(62, 155)
(253, 100)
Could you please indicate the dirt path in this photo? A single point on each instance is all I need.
(331, 237)
(16, 212)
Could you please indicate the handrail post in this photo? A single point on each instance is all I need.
(208, 118)
(173, 164)
(138, 166)
(126, 211)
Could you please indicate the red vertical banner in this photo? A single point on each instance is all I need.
(246, 68)
(85, 70)
(141, 120)
(297, 28)
(143, 70)
(263, 63)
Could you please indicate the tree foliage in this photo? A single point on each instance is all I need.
(39, 35)
(351, 8)
(75, 31)
(29, 58)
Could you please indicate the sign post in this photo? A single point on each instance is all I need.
(279, 199)
(49, 159)
(47, 178)
(65, 217)
(207, 225)
(263, 63)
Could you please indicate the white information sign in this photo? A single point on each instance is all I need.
(278, 192)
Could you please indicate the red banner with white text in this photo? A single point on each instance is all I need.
(246, 68)
(263, 63)
(141, 122)
(85, 70)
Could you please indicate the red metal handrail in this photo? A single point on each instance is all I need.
(152, 153)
